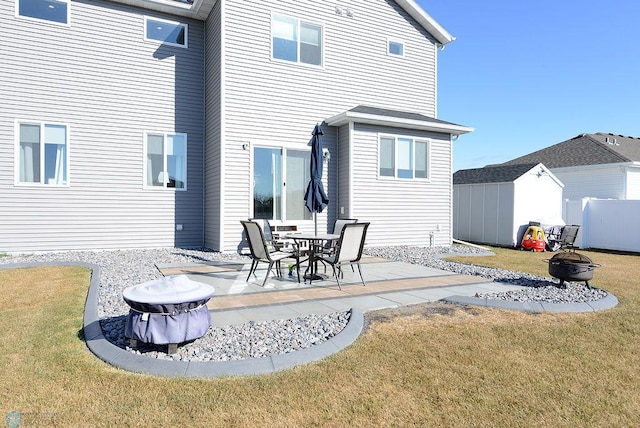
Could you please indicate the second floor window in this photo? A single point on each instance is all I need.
(167, 32)
(296, 41)
(47, 10)
(395, 48)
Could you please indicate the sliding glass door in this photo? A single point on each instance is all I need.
(280, 178)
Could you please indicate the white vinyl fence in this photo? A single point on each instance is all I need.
(608, 224)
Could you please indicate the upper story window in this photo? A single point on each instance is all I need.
(167, 32)
(166, 160)
(47, 10)
(403, 157)
(296, 41)
(395, 48)
(42, 153)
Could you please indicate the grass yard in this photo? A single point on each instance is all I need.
(428, 365)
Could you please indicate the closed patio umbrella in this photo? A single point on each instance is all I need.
(315, 197)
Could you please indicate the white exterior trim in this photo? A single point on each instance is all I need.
(223, 129)
(320, 24)
(427, 22)
(162, 42)
(597, 166)
(145, 147)
(16, 153)
(400, 42)
(45, 21)
(200, 9)
(397, 122)
(415, 140)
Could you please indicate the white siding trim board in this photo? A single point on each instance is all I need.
(319, 23)
(16, 153)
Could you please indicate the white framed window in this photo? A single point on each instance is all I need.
(403, 157)
(56, 11)
(168, 32)
(280, 179)
(42, 153)
(165, 157)
(395, 48)
(296, 40)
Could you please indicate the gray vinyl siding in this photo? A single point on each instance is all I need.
(102, 79)
(276, 102)
(213, 130)
(402, 211)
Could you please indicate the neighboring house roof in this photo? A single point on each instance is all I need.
(396, 118)
(585, 149)
(492, 174)
(200, 9)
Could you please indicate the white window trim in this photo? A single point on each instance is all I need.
(298, 62)
(401, 42)
(284, 147)
(145, 186)
(45, 21)
(186, 32)
(413, 166)
(16, 156)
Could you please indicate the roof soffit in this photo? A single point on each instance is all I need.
(426, 21)
(421, 124)
(197, 9)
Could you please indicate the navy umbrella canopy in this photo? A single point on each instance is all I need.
(315, 197)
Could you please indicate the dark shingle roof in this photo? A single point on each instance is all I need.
(396, 113)
(585, 149)
(492, 174)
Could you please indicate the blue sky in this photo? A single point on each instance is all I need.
(530, 74)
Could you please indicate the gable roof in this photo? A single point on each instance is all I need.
(492, 174)
(200, 9)
(585, 149)
(397, 119)
(426, 21)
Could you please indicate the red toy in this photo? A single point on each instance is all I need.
(534, 239)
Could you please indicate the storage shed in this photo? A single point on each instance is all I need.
(492, 205)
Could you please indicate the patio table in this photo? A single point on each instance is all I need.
(315, 242)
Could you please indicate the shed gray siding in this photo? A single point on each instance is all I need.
(484, 213)
(402, 212)
(99, 77)
(280, 102)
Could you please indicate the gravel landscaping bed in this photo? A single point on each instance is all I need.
(121, 269)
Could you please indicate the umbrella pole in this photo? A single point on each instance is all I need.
(315, 223)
